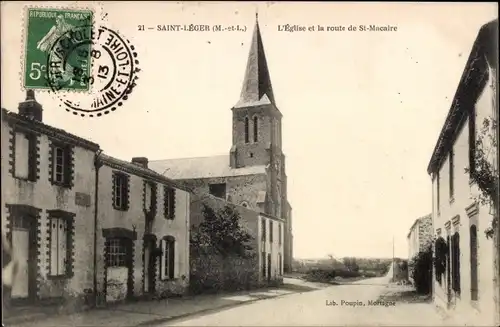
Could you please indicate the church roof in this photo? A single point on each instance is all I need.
(202, 167)
(257, 88)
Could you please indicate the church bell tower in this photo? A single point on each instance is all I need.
(257, 127)
(256, 118)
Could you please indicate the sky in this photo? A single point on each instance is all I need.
(362, 110)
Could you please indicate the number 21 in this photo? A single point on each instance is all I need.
(141, 27)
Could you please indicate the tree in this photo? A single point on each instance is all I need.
(221, 232)
(422, 270)
(351, 264)
(484, 173)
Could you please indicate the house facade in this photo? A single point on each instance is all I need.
(419, 237)
(464, 270)
(48, 192)
(271, 249)
(142, 232)
(85, 228)
(253, 173)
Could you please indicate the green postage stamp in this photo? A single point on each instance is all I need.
(57, 33)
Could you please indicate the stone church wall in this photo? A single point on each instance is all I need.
(239, 189)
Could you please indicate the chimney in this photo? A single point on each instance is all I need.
(140, 161)
(30, 107)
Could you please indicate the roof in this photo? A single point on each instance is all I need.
(202, 167)
(472, 82)
(429, 216)
(138, 170)
(40, 127)
(257, 88)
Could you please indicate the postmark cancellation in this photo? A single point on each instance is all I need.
(90, 68)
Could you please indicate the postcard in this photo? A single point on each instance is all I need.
(249, 163)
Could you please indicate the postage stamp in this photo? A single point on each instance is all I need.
(45, 26)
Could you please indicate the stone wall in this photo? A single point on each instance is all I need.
(240, 190)
(425, 232)
(212, 272)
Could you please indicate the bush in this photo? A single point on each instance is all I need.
(344, 273)
(369, 274)
(422, 270)
(320, 275)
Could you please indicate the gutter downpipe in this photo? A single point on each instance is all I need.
(497, 200)
(97, 165)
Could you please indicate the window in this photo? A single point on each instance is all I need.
(120, 191)
(58, 246)
(279, 234)
(247, 139)
(270, 231)
(149, 197)
(61, 165)
(263, 229)
(473, 264)
(25, 156)
(168, 258)
(455, 262)
(263, 258)
(169, 202)
(452, 186)
(218, 190)
(255, 128)
(438, 199)
(116, 252)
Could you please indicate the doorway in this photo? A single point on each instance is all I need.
(269, 267)
(119, 269)
(23, 253)
(149, 265)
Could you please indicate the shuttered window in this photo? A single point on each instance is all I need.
(58, 246)
(21, 156)
(120, 191)
(270, 231)
(455, 262)
(168, 258)
(263, 230)
(169, 202)
(473, 263)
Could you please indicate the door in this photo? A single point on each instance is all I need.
(269, 267)
(149, 269)
(147, 260)
(20, 249)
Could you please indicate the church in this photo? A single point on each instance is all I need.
(253, 174)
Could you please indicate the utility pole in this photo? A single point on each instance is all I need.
(393, 263)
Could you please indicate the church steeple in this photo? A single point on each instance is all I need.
(256, 118)
(257, 87)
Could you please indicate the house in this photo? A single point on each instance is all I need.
(142, 232)
(464, 270)
(271, 248)
(48, 193)
(86, 228)
(419, 237)
(253, 173)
